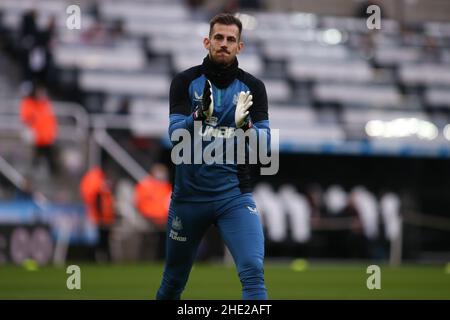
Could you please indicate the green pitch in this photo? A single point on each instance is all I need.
(209, 281)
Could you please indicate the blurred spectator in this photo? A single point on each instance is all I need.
(98, 198)
(37, 114)
(45, 43)
(152, 198)
(28, 30)
(28, 39)
(36, 47)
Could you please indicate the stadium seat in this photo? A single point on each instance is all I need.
(390, 213)
(368, 95)
(124, 58)
(437, 97)
(271, 211)
(298, 212)
(425, 74)
(367, 207)
(148, 118)
(391, 56)
(144, 84)
(278, 90)
(316, 70)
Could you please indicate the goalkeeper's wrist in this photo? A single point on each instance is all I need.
(247, 125)
(198, 114)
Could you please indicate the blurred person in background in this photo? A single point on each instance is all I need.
(45, 45)
(28, 38)
(36, 113)
(96, 191)
(36, 47)
(152, 199)
(152, 195)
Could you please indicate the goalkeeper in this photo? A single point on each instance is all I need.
(217, 94)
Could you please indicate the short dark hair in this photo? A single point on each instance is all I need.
(227, 19)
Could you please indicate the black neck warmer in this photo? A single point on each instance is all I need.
(220, 76)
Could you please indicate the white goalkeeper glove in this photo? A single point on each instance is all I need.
(243, 104)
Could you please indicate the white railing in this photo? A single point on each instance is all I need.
(11, 173)
(10, 119)
(11, 125)
(78, 132)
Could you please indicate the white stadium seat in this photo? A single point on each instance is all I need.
(429, 74)
(315, 70)
(126, 58)
(369, 95)
(146, 84)
(438, 97)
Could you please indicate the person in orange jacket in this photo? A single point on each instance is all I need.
(152, 195)
(99, 201)
(36, 113)
(152, 199)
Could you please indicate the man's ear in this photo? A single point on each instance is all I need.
(206, 43)
(240, 46)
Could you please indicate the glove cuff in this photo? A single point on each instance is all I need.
(198, 114)
(247, 125)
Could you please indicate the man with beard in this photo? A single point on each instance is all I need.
(217, 97)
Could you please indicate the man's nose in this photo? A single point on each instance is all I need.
(224, 47)
(224, 43)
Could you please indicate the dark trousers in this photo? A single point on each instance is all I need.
(47, 153)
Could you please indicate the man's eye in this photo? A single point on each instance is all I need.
(231, 40)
